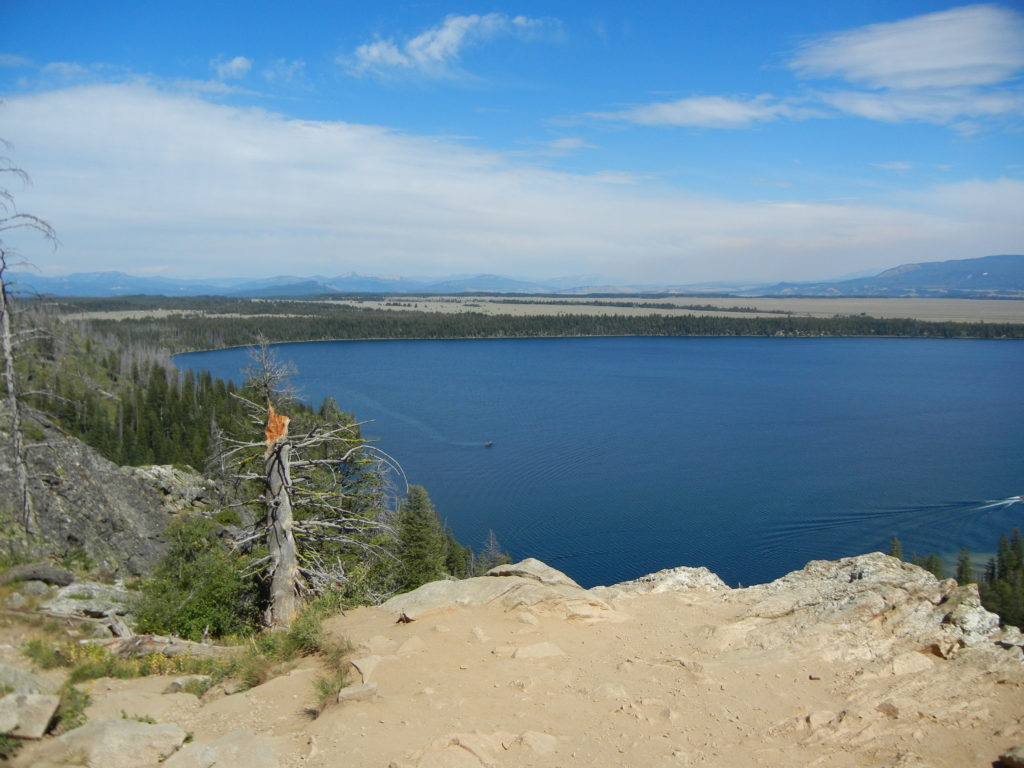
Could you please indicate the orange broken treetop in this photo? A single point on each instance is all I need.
(277, 425)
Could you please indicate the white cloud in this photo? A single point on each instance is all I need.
(284, 72)
(706, 112)
(233, 69)
(11, 60)
(954, 67)
(968, 46)
(893, 165)
(133, 177)
(434, 51)
(930, 106)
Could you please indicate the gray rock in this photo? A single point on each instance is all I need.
(238, 748)
(672, 580)
(1013, 758)
(16, 600)
(531, 568)
(970, 617)
(178, 684)
(23, 681)
(90, 599)
(27, 715)
(882, 605)
(120, 743)
(357, 692)
(35, 588)
(86, 504)
(365, 666)
(181, 490)
(38, 572)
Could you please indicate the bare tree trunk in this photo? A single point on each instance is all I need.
(17, 439)
(284, 562)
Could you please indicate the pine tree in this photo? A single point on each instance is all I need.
(422, 544)
(896, 548)
(964, 567)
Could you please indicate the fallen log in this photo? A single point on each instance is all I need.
(145, 645)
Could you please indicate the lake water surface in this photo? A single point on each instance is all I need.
(616, 457)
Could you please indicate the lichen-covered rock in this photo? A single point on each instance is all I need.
(878, 602)
(181, 489)
(90, 600)
(86, 504)
(673, 579)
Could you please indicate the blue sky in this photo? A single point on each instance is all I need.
(671, 142)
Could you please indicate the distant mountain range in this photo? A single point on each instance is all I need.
(988, 276)
(985, 277)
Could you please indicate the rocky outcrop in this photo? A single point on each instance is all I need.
(112, 517)
(876, 602)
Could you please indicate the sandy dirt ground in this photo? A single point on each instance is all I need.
(682, 678)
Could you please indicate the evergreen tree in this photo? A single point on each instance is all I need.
(931, 563)
(964, 567)
(422, 543)
(896, 548)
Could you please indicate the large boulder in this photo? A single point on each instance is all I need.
(116, 744)
(529, 585)
(531, 568)
(87, 599)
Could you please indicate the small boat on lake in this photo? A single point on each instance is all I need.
(488, 444)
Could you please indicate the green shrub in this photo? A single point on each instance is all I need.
(198, 588)
(228, 517)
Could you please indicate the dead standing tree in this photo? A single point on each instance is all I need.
(312, 521)
(11, 219)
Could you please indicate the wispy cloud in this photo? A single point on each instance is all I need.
(11, 60)
(943, 107)
(968, 46)
(124, 170)
(954, 67)
(435, 51)
(706, 112)
(231, 69)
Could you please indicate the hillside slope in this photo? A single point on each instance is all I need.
(984, 277)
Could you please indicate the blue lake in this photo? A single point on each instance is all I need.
(616, 457)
